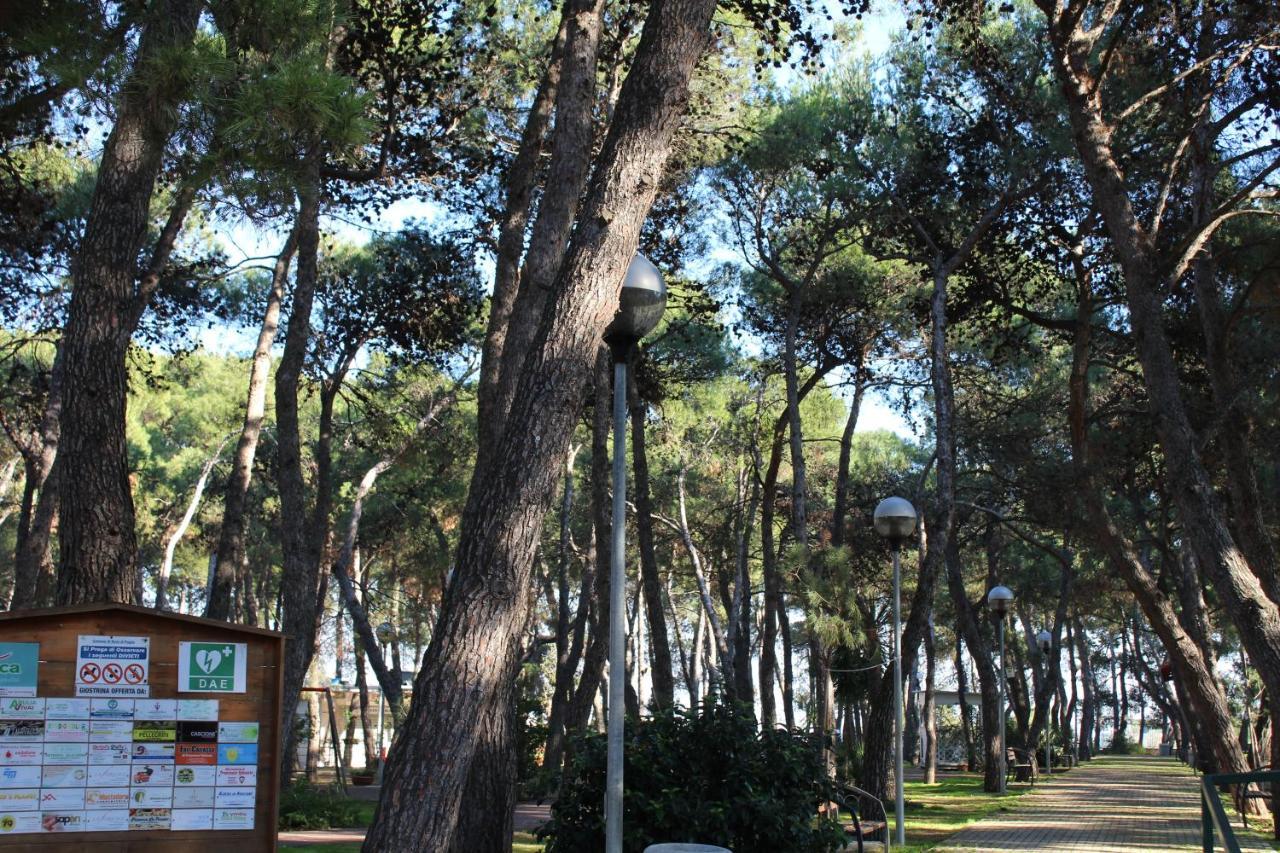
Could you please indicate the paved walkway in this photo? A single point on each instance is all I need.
(1115, 804)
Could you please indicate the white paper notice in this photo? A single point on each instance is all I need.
(110, 753)
(25, 776)
(15, 753)
(156, 709)
(151, 798)
(106, 798)
(194, 798)
(55, 776)
(66, 709)
(108, 775)
(112, 666)
(233, 818)
(190, 819)
(111, 820)
(197, 709)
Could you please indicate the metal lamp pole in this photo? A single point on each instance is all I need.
(999, 599)
(895, 519)
(641, 302)
(1045, 641)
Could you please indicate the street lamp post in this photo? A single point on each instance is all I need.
(386, 634)
(1045, 640)
(640, 305)
(895, 520)
(999, 599)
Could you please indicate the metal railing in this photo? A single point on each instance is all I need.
(1213, 817)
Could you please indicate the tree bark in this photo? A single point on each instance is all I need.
(473, 658)
(664, 690)
(930, 711)
(32, 558)
(166, 567)
(231, 548)
(299, 579)
(97, 541)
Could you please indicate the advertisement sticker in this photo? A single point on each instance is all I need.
(110, 731)
(111, 709)
(194, 798)
(196, 710)
(110, 753)
(145, 817)
(154, 731)
(151, 798)
(16, 753)
(108, 775)
(107, 820)
(61, 799)
(23, 776)
(66, 709)
(151, 774)
(106, 798)
(237, 753)
(194, 776)
(237, 732)
(155, 709)
(19, 664)
(66, 753)
(66, 731)
(189, 819)
(197, 753)
(15, 823)
(233, 818)
(55, 776)
(237, 775)
(20, 800)
(153, 752)
(62, 821)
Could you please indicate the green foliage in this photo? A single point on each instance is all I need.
(304, 806)
(708, 778)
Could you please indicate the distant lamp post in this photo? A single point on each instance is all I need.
(386, 634)
(999, 599)
(1045, 641)
(895, 520)
(640, 305)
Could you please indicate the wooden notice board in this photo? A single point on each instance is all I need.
(89, 729)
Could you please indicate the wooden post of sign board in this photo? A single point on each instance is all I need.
(57, 631)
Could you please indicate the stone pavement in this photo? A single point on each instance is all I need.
(1115, 804)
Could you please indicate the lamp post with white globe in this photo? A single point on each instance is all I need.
(999, 599)
(1045, 641)
(640, 306)
(895, 520)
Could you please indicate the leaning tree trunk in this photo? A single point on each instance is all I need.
(98, 545)
(299, 578)
(230, 557)
(470, 668)
(35, 526)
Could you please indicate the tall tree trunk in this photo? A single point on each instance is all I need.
(299, 579)
(966, 723)
(740, 607)
(166, 567)
(471, 665)
(231, 548)
(32, 559)
(664, 690)
(97, 541)
(930, 711)
(570, 632)
(1088, 712)
(1139, 253)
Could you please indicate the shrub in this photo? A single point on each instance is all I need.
(304, 806)
(707, 778)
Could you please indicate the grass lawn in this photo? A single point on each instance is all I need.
(936, 812)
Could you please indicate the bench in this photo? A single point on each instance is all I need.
(1021, 765)
(861, 816)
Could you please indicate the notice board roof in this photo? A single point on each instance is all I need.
(150, 612)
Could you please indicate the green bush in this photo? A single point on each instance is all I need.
(304, 806)
(708, 778)
(1121, 745)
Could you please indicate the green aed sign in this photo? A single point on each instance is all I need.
(19, 663)
(212, 667)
